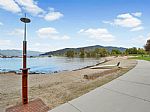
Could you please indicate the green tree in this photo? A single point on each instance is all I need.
(141, 51)
(115, 52)
(93, 54)
(147, 46)
(101, 52)
(88, 54)
(70, 53)
(131, 50)
(82, 53)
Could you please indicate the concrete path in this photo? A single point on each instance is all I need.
(128, 93)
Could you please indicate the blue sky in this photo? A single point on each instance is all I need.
(57, 24)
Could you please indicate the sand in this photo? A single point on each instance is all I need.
(57, 88)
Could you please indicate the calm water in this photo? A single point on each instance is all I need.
(46, 65)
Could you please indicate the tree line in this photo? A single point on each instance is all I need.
(102, 52)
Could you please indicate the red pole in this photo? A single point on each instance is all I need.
(24, 75)
(25, 69)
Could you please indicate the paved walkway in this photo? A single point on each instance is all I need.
(128, 93)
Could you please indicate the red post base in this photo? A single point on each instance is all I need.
(25, 85)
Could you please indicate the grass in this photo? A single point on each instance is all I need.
(139, 57)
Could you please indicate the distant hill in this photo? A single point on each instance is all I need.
(18, 53)
(88, 48)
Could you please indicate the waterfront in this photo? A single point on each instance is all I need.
(46, 64)
(57, 88)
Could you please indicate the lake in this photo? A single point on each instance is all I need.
(46, 64)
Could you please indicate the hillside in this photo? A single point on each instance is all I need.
(88, 48)
(18, 53)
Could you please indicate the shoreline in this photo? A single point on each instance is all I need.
(60, 87)
(18, 72)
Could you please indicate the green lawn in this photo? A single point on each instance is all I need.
(147, 58)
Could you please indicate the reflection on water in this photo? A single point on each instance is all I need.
(46, 65)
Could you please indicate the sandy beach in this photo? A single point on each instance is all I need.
(58, 88)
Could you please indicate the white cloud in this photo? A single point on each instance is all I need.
(101, 34)
(17, 32)
(81, 31)
(137, 14)
(45, 32)
(137, 28)
(1, 23)
(108, 22)
(51, 33)
(65, 37)
(125, 15)
(125, 20)
(52, 15)
(30, 6)
(128, 20)
(5, 43)
(10, 5)
(59, 37)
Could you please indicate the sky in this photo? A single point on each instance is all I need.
(58, 24)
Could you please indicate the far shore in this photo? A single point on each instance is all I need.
(61, 87)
